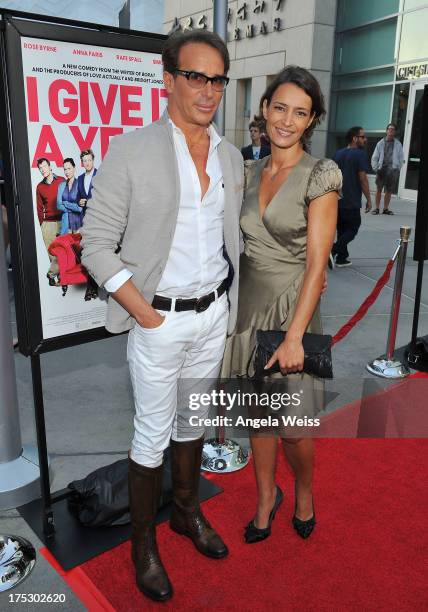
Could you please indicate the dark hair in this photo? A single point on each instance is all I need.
(391, 125)
(352, 133)
(306, 81)
(70, 160)
(260, 121)
(41, 160)
(86, 152)
(176, 41)
(254, 124)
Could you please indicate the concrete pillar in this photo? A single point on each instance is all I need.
(19, 471)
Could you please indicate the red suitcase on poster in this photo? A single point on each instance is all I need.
(66, 249)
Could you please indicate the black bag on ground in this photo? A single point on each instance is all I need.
(417, 356)
(101, 499)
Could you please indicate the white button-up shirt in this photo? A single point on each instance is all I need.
(87, 180)
(195, 265)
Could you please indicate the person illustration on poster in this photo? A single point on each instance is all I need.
(85, 179)
(68, 114)
(87, 157)
(48, 214)
(72, 212)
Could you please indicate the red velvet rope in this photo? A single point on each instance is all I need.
(345, 329)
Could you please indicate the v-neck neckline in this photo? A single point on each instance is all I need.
(260, 214)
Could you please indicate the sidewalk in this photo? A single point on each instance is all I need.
(88, 397)
(348, 287)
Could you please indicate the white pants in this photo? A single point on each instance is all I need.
(182, 355)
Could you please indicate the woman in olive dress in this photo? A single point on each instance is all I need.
(288, 221)
(72, 212)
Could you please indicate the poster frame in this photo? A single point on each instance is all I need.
(18, 186)
(420, 252)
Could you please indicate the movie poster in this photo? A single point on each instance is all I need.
(78, 97)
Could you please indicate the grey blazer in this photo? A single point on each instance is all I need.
(135, 200)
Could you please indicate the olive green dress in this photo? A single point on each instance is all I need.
(272, 265)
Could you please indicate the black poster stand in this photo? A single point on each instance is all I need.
(420, 253)
(73, 544)
(39, 413)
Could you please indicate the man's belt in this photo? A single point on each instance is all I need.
(198, 304)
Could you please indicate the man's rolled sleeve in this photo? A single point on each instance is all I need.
(115, 282)
(107, 214)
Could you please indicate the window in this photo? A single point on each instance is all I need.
(351, 14)
(247, 97)
(366, 48)
(414, 41)
(399, 109)
(367, 107)
(243, 111)
(412, 4)
(362, 79)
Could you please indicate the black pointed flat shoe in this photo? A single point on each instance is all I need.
(304, 528)
(252, 533)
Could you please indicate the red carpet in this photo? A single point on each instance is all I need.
(368, 551)
(397, 411)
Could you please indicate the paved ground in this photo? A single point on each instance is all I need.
(87, 390)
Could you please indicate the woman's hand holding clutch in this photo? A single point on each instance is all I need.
(290, 356)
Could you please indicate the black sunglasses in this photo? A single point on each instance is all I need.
(198, 80)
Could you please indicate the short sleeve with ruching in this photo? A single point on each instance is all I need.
(249, 168)
(325, 177)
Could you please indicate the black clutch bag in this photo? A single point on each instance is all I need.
(317, 349)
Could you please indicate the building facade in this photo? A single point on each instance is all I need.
(380, 70)
(263, 37)
(371, 59)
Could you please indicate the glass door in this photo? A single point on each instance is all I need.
(412, 142)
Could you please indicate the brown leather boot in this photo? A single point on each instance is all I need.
(186, 516)
(145, 486)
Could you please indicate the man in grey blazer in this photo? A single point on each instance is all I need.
(170, 194)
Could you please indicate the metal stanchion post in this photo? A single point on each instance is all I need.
(222, 455)
(386, 366)
(19, 469)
